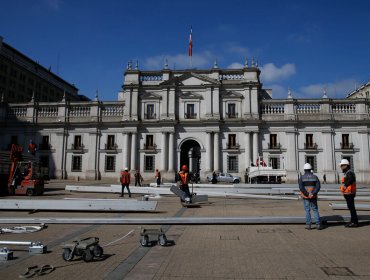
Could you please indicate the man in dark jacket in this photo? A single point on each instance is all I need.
(309, 185)
(348, 188)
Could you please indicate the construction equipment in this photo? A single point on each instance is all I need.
(5, 254)
(88, 248)
(23, 175)
(33, 247)
(188, 201)
(145, 233)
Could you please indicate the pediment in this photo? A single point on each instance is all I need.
(150, 95)
(190, 95)
(232, 94)
(191, 79)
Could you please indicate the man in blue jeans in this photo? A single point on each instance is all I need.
(309, 185)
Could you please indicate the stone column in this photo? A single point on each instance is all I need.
(255, 147)
(363, 166)
(134, 103)
(209, 153)
(247, 150)
(216, 151)
(93, 153)
(291, 157)
(133, 151)
(171, 150)
(216, 102)
(163, 151)
(125, 150)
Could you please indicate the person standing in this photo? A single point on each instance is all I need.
(138, 178)
(309, 185)
(32, 147)
(184, 181)
(125, 182)
(348, 189)
(158, 177)
(324, 178)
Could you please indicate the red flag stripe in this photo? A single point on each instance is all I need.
(191, 42)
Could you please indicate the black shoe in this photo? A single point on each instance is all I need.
(308, 227)
(319, 227)
(351, 225)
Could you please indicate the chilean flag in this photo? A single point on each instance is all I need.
(191, 42)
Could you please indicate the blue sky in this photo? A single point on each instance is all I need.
(304, 45)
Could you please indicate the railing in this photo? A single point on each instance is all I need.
(231, 77)
(308, 108)
(269, 109)
(112, 111)
(232, 146)
(150, 147)
(150, 78)
(44, 146)
(231, 115)
(274, 146)
(190, 116)
(346, 146)
(310, 146)
(47, 111)
(77, 146)
(150, 116)
(111, 147)
(17, 112)
(79, 111)
(343, 108)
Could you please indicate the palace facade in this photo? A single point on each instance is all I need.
(213, 119)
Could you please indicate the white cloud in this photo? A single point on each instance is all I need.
(235, 48)
(271, 73)
(180, 61)
(235, 65)
(337, 89)
(278, 91)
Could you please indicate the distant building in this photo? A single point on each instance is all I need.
(22, 78)
(212, 120)
(362, 92)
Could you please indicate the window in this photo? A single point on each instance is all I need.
(231, 111)
(149, 163)
(110, 143)
(149, 142)
(149, 111)
(309, 142)
(76, 163)
(275, 162)
(312, 160)
(273, 141)
(190, 111)
(110, 163)
(345, 141)
(232, 164)
(77, 143)
(45, 143)
(232, 141)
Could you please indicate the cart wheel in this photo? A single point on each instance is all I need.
(144, 240)
(67, 256)
(162, 240)
(98, 251)
(29, 192)
(87, 256)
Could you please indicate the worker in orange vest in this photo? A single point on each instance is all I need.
(32, 147)
(125, 182)
(184, 181)
(348, 189)
(309, 185)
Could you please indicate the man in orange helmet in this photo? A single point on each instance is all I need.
(184, 181)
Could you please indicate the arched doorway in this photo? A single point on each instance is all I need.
(190, 155)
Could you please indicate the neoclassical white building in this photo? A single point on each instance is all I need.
(211, 119)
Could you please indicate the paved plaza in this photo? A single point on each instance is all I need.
(198, 252)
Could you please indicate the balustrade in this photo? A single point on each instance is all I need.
(47, 111)
(150, 78)
(308, 108)
(79, 111)
(17, 112)
(112, 111)
(343, 108)
(271, 109)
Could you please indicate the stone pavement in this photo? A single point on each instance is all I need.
(199, 252)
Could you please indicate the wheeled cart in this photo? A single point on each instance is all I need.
(158, 233)
(88, 248)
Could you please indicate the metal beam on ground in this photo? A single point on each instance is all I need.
(78, 205)
(179, 220)
(343, 206)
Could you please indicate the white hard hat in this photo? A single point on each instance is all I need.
(344, 162)
(307, 166)
(126, 168)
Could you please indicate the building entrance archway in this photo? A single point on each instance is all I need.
(190, 156)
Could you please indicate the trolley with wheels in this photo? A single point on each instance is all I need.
(88, 248)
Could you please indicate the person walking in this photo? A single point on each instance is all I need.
(125, 182)
(184, 181)
(324, 178)
(348, 189)
(138, 178)
(309, 185)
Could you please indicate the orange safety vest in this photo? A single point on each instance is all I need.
(125, 177)
(184, 178)
(351, 189)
